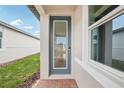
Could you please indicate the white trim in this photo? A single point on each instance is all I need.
(40, 9)
(66, 46)
(100, 77)
(69, 13)
(20, 46)
(65, 76)
(108, 69)
(72, 44)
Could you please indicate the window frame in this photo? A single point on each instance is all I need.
(109, 70)
(2, 39)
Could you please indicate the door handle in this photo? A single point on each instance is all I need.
(69, 49)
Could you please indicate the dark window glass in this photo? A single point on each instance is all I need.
(97, 53)
(0, 43)
(0, 34)
(96, 12)
(0, 39)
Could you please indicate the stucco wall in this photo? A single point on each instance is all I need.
(82, 77)
(77, 34)
(44, 71)
(118, 46)
(17, 45)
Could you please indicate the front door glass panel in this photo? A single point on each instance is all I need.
(60, 44)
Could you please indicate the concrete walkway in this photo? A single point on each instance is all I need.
(56, 83)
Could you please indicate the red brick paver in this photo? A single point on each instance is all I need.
(57, 83)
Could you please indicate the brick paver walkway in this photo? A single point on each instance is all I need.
(57, 83)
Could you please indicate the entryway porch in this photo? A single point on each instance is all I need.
(56, 83)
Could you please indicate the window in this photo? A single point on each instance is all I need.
(99, 46)
(107, 43)
(1, 36)
(97, 41)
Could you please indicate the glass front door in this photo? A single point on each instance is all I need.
(61, 48)
(60, 44)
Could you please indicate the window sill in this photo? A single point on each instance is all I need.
(106, 76)
(107, 68)
(2, 49)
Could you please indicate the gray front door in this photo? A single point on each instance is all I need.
(60, 45)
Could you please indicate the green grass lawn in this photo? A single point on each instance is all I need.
(15, 74)
(118, 64)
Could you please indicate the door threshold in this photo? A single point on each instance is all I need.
(68, 76)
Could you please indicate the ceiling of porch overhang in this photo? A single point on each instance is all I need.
(60, 8)
(33, 9)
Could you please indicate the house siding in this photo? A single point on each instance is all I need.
(118, 46)
(17, 45)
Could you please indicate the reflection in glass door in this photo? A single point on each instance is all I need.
(60, 44)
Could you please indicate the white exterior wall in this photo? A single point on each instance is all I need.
(44, 69)
(83, 78)
(86, 72)
(77, 37)
(118, 46)
(17, 45)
